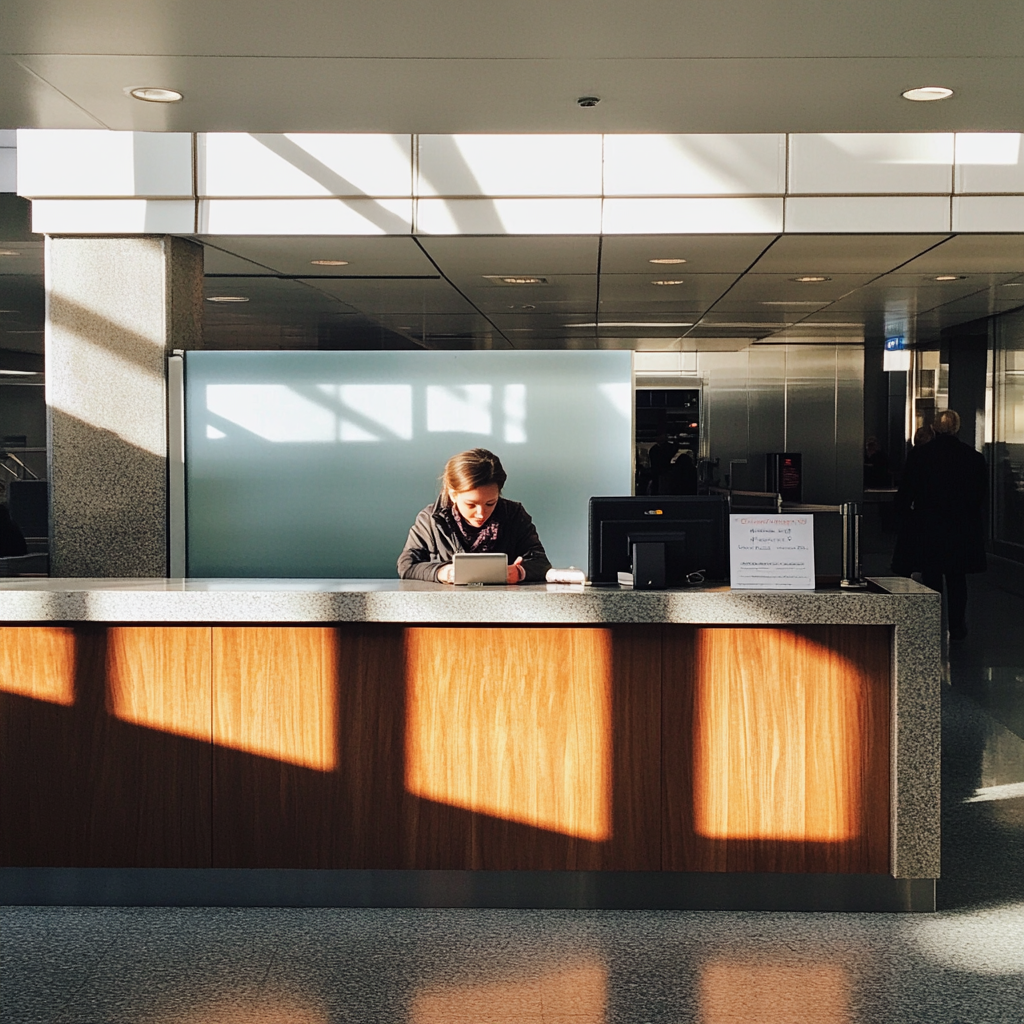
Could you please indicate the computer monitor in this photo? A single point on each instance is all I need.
(698, 525)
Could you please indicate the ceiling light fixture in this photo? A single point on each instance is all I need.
(791, 302)
(227, 298)
(629, 323)
(9, 252)
(677, 281)
(811, 279)
(329, 263)
(667, 262)
(927, 94)
(18, 373)
(950, 277)
(501, 279)
(588, 101)
(151, 94)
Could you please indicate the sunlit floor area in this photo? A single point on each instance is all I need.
(231, 966)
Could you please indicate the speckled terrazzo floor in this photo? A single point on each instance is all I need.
(963, 965)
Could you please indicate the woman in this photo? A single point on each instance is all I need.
(471, 515)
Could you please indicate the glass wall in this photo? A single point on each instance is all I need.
(314, 464)
(1007, 459)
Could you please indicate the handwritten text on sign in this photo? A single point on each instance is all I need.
(772, 552)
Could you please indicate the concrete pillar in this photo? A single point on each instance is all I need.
(115, 309)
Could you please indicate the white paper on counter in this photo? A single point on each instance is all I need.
(771, 552)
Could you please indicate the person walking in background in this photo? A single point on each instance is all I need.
(940, 509)
(923, 435)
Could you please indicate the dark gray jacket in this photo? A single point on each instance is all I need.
(434, 538)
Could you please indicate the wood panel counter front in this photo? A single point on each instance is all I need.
(627, 747)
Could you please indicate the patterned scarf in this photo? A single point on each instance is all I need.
(483, 538)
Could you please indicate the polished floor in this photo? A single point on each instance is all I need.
(963, 965)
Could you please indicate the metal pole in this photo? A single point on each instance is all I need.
(852, 579)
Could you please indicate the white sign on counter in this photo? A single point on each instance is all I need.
(771, 552)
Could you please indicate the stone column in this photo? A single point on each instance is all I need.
(115, 309)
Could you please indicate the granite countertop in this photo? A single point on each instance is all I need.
(894, 600)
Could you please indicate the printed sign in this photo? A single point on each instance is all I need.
(772, 552)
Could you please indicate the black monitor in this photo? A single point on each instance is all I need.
(693, 528)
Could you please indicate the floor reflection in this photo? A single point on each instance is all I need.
(265, 1010)
(735, 992)
(569, 995)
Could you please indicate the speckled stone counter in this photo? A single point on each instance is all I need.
(910, 611)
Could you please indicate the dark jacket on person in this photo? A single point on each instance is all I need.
(940, 509)
(435, 538)
(12, 541)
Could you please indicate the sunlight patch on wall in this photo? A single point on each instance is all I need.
(513, 723)
(462, 408)
(324, 413)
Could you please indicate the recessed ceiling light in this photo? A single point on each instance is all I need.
(329, 263)
(9, 252)
(501, 279)
(791, 302)
(667, 261)
(18, 373)
(950, 277)
(928, 93)
(1014, 284)
(150, 94)
(811, 279)
(588, 101)
(677, 281)
(227, 298)
(629, 323)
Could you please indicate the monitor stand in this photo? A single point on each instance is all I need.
(648, 565)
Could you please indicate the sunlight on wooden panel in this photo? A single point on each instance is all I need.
(38, 662)
(275, 693)
(514, 723)
(159, 677)
(571, 995)
(738, 991)
(778, 738)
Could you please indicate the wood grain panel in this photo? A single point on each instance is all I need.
(161, 678)
(326, 790)
(776, 749)
(82, 788)
(38, 662)
(275, 693)
(522, 747)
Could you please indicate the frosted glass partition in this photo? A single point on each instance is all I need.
(314, 464)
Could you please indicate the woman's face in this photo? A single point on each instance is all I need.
(477, 505)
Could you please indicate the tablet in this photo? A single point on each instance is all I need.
(480, 568)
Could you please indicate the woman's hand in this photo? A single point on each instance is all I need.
(516, 573)
(446, 574)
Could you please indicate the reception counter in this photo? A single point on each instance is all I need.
(387, 743)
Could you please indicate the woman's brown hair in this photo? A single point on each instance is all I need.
(469, 470)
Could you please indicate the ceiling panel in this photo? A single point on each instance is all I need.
(845, 254)
(754, 289)
(704, 254)
(972, 254)
(568, 294)
(637, 291)
(376, 296)
(293, 255)
(467, 259)
(269, 300)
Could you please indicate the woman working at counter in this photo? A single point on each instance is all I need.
(471, 515)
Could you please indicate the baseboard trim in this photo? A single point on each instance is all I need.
(583, 890)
